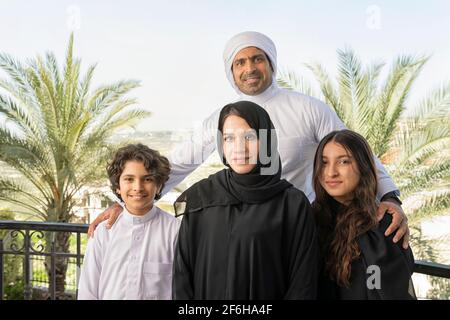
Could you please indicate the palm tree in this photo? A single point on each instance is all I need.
(412, 139)
(59, 136)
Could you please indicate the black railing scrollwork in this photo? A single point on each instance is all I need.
(30, 240)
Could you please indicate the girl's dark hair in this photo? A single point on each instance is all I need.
(156, 165)
(338, 242)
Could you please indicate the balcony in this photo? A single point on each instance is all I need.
(48, 269)
(33, 251)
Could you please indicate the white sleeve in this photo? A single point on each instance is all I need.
(190, 154)
(88, 286)
(385, 182)
(326, 120)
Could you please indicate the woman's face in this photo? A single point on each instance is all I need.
(240, 144)
(340, 174)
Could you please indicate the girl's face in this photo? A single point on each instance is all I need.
(240, 144)
(340, 174)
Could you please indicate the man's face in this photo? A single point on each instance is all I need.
(252, 72)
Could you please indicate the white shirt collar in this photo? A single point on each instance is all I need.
(263, 97)
(134, 219)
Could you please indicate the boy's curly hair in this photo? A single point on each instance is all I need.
(157, 165)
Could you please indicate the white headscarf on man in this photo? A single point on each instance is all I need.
(244, 40)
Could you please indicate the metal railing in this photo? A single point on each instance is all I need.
(27, 239)
(432, 269)
(29, 232)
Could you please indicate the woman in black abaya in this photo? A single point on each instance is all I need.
(246, 233)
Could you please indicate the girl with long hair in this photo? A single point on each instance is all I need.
(357, 260)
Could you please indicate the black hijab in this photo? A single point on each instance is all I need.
(227, 187)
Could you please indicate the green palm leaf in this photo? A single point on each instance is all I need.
(52, 138)
(413, 143)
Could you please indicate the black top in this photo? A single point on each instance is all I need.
(246, 236)
(379, 256)
(246, 251)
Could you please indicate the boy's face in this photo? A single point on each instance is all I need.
(137, 188)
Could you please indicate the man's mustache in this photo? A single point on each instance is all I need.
(255, 73)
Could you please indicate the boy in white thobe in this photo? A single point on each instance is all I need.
(133, 259)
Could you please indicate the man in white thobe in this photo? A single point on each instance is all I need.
(250, 60)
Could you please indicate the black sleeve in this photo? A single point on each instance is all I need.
(303, 255)
(182, 284)
(392, 196)
(395, 265)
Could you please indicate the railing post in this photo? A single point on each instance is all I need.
(1, 269)
(78, 263)
(26, 261)
(53, 269)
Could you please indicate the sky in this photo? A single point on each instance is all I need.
(175, 47)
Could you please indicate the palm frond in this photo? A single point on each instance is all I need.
(48, 92)
(437, 203)
(51, 64)
(104, 96)
(419, 144)
(16, 194)
(54, 109)
(423, 247)
(126, 119)
(416, 143)
(101, 121)
(82, 92)
(422, 178)
(327, 88)
(16, 71)
(435, 105)
(290, 80)
(393, 95)
(351, 94)
(19, 116)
